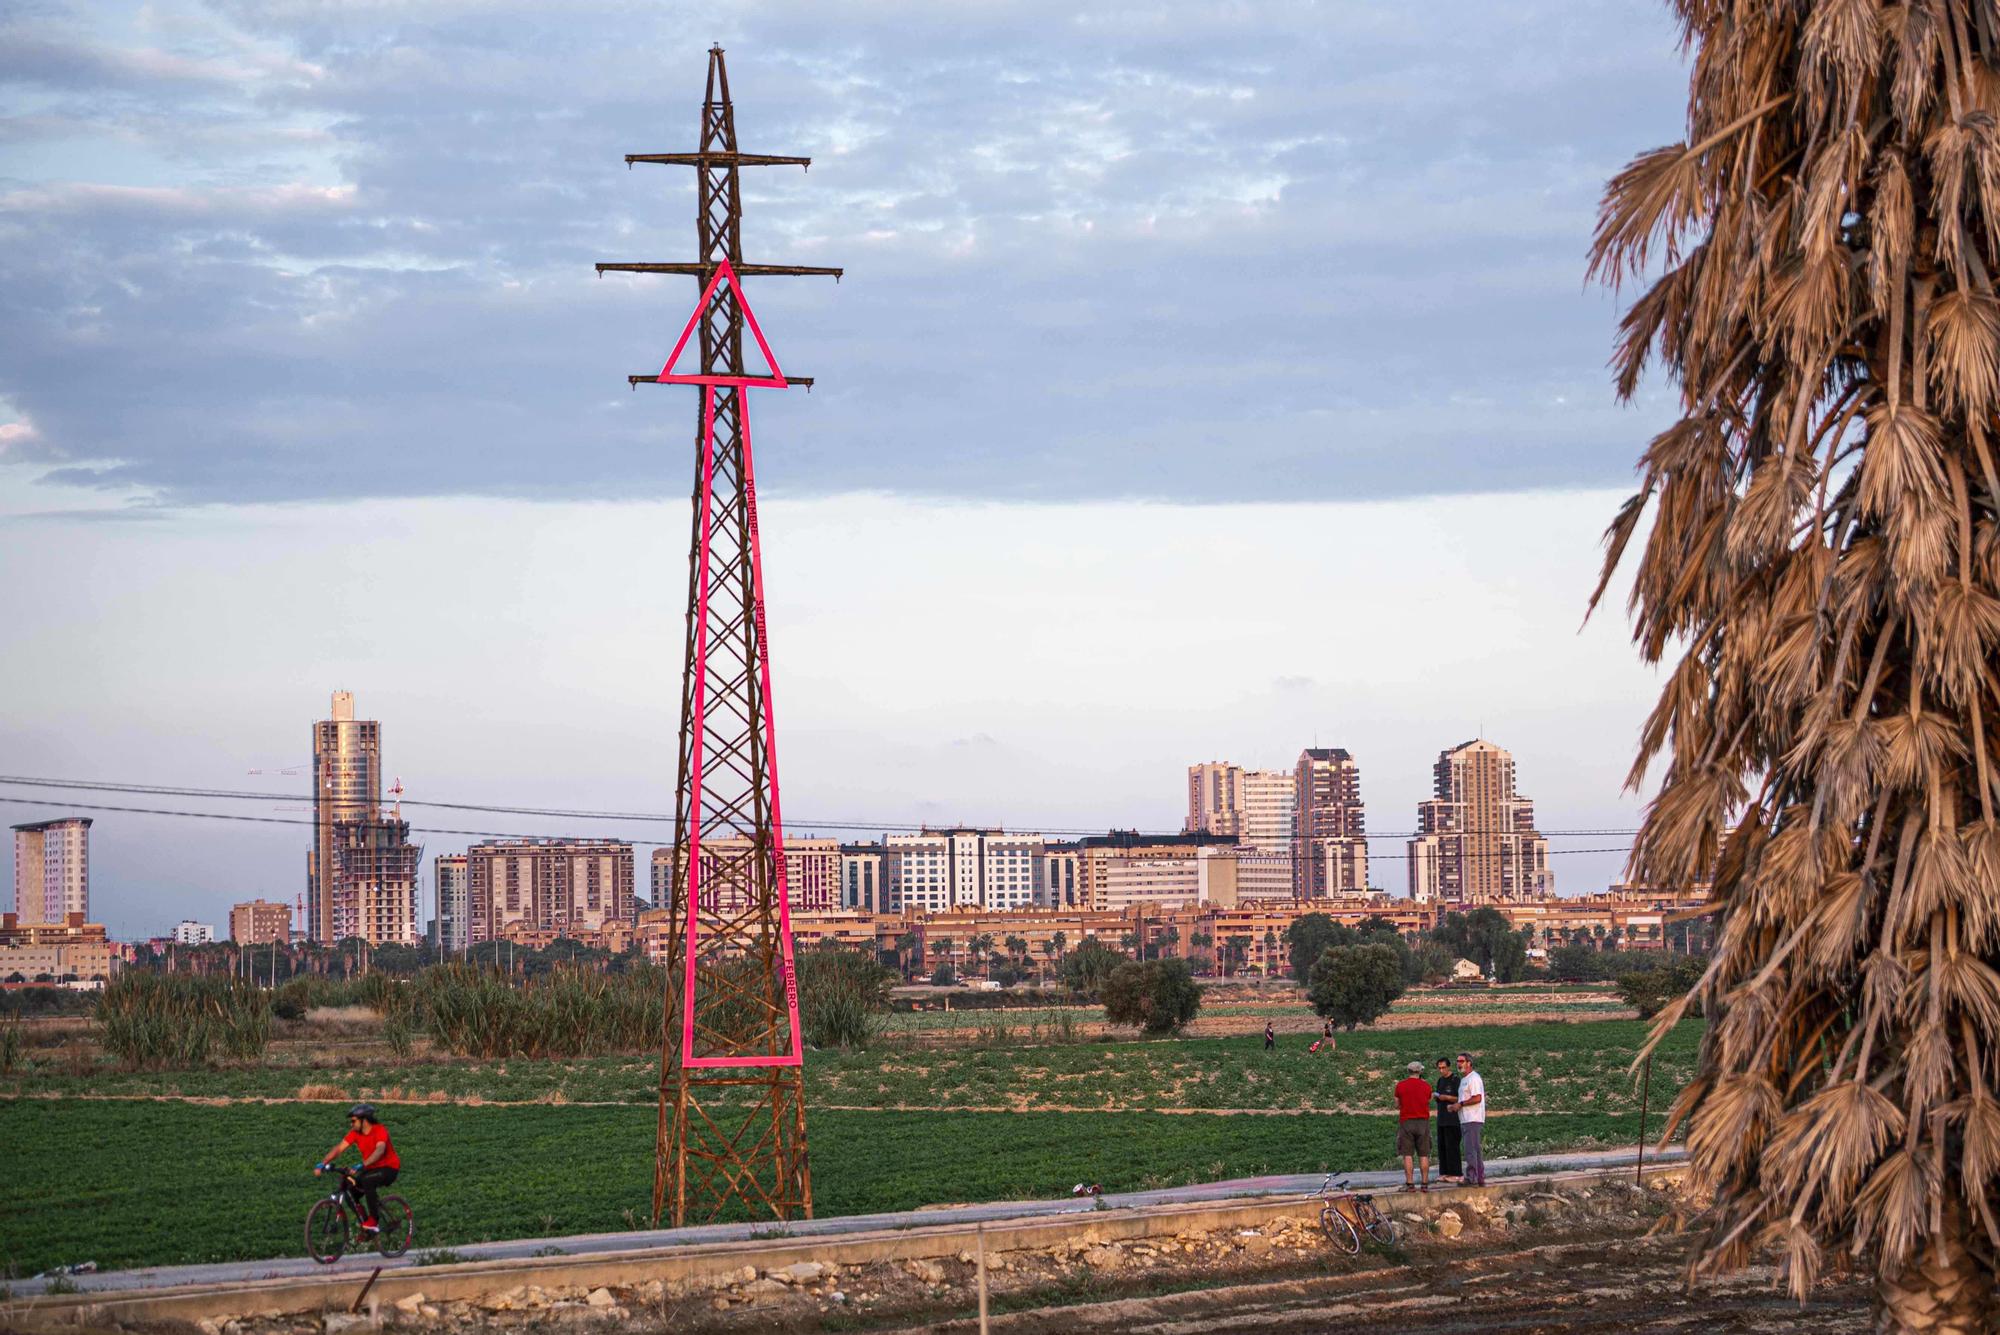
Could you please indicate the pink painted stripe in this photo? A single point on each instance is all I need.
(796, 1056)
(771, 745)
(698, 723)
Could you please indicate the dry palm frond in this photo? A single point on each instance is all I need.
(1895, 1205)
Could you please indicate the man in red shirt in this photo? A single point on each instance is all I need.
(1413, 1124)
(379, 1163)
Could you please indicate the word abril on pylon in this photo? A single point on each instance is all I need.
(732, 1133)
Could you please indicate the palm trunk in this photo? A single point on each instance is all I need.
(1946, 1290)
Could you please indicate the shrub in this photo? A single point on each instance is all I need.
(170, 1020)
(1158, 996)
(11, 1045)
(841, 992)
(1653, 990)
(1354, 985)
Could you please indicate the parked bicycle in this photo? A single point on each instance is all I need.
(333, 1221)
(1346, 1215)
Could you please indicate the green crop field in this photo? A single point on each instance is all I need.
(145, 1183)
(1564, 1067)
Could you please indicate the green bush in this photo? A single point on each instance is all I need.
(1158, 996)
(842, 995)
(169, 1020)
(1653, 990)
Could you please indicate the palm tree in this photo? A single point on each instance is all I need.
(1821, 576)
(979, 948)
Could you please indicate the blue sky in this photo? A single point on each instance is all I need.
(294, 275)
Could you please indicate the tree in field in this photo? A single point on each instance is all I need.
(1820, 577)
(1353, 985)
(1485, 937)
(1309, 936)
(1158, 996)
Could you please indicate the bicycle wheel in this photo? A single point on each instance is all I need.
(399, 1226)
(1377, 1224)
(1339, 1230)
(326, 1232)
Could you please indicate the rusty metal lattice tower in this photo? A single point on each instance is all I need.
(732, 1129)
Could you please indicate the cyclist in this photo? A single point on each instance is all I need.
(379, 1164)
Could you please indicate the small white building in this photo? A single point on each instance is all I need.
(192, 933)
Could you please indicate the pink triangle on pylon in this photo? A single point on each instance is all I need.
(724, 271)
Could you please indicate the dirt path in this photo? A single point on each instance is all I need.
(1596, 1288)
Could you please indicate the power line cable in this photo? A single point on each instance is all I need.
(503, 834)
(504, 809)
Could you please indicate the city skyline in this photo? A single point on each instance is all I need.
(348, 764)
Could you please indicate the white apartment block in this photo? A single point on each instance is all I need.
(937, 871)
(1269, 798)
(188, 932)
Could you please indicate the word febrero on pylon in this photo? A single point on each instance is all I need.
(732, 1130)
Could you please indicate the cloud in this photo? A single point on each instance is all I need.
(302, 250)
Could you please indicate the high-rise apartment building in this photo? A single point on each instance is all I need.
(188, 932)
(347, 787)
(864, 878)
(372, 882)
(1476, 838)
(448, 873)
(1270, 798)
(52, 870)
(1215, 798)
(567, 886)
(1329, 844)
(260, 923)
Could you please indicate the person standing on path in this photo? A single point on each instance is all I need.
(1413, 1124)
(1270, 1036)
(1472, 1120)
(1449, 1169)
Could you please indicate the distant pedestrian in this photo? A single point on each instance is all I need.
(1270, 1036)
(1449, 1169)
(1327, 1039)
(1472, 1119)
(1413, 1124)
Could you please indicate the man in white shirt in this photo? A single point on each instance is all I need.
(1471, 1120)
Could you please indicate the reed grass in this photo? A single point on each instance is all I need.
(151, 1021)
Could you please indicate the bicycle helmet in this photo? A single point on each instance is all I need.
(365, 1111)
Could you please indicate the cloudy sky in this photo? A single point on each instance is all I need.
(1206, 381)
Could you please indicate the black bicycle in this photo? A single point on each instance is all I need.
(1346, 1215)
(332, 1221)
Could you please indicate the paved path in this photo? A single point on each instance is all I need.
(602, 1244)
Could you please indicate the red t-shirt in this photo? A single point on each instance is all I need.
(377, 1134)
(1413, 1097)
